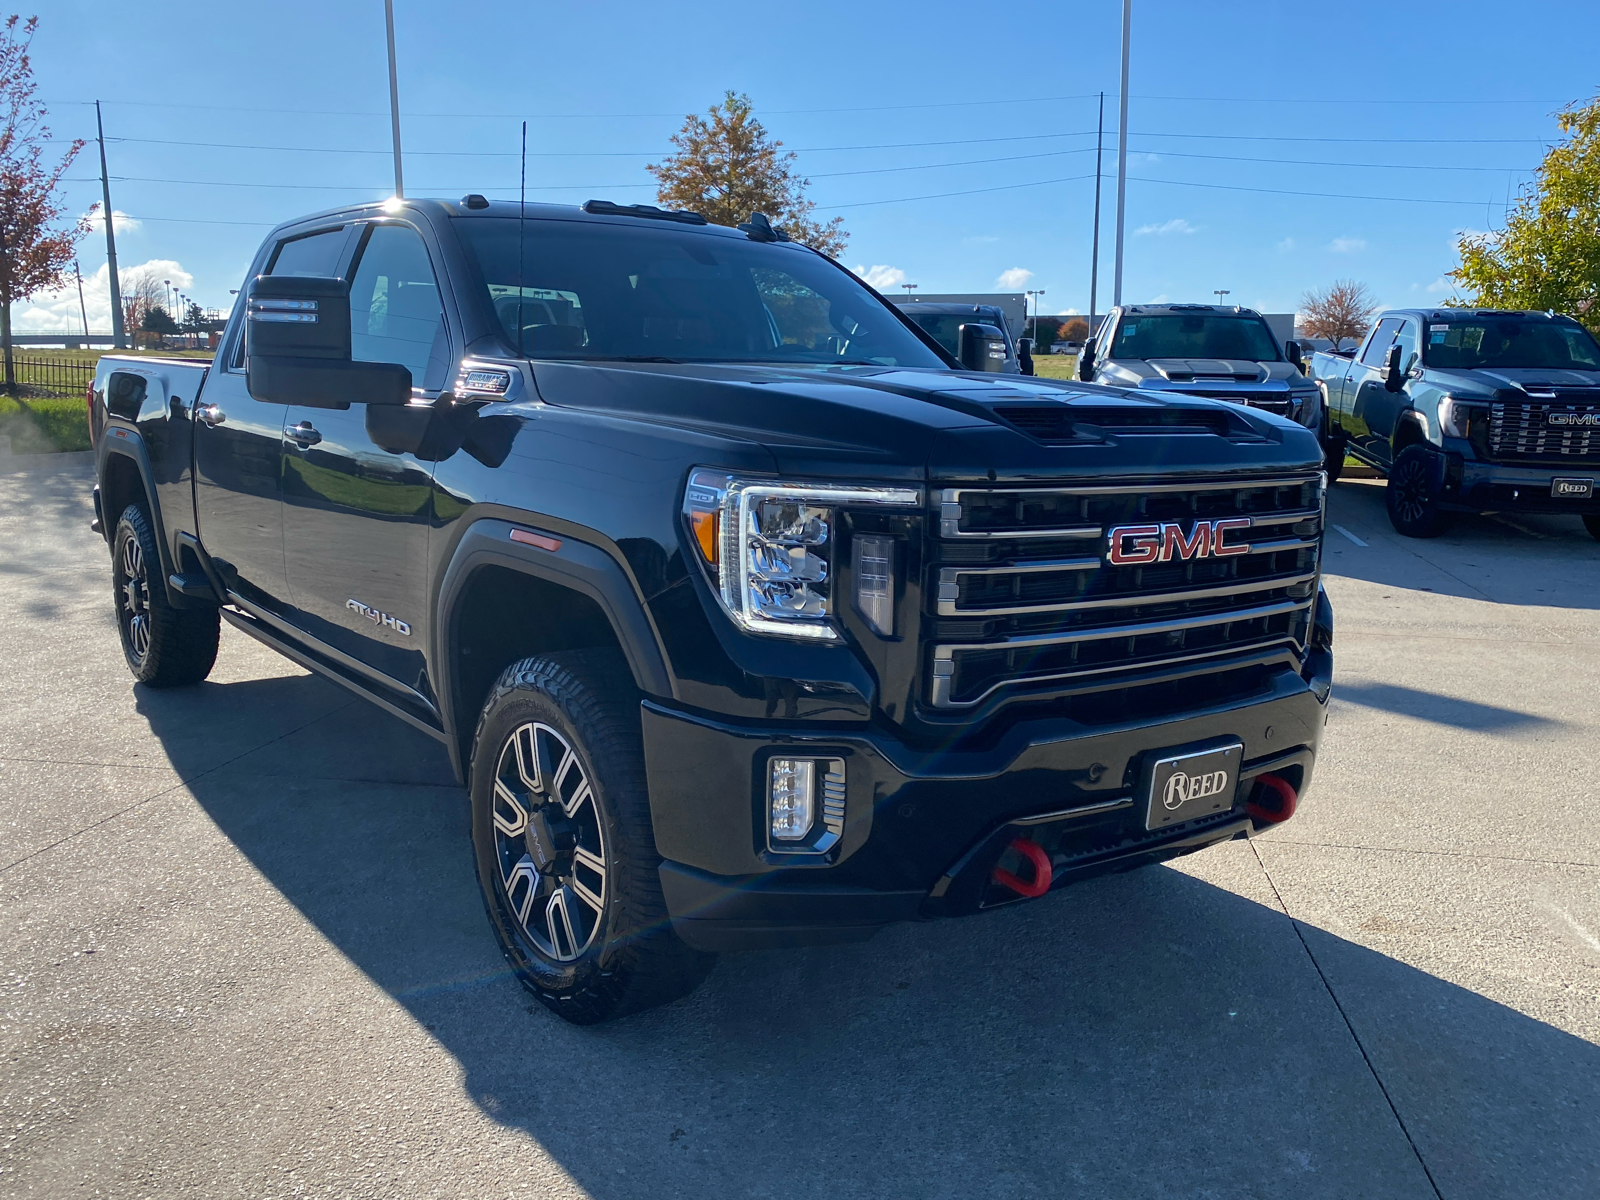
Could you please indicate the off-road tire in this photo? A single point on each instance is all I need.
(1592, 524)
(1413, 505)
(634, 960)
(1333, 453)
(164, 646)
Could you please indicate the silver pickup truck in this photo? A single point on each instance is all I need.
(1208, 350)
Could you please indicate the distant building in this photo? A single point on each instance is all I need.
(1013, 304)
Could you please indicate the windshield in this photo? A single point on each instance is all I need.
(1186, 336)
(1510, 342)
(592, 290)
(946, 330)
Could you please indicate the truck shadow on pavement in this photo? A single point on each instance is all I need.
(1438, 708)
(1141, 1034)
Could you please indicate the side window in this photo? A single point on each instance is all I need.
(1380, 341)
(317, 255)
(1406, 339)
(395, 312)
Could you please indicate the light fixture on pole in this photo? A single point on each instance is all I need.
(394, 101)
(1219, 293)
(1122, 150)
(909, 287)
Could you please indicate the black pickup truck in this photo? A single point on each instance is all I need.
(747, 616)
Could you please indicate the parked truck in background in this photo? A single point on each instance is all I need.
(1209, 350)
(1469, 410)
(943, 323)
(745, 616)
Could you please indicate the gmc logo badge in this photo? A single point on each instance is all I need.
(1136, 545)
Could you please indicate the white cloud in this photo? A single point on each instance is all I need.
(1176, 225)
(1347, 245)
(1441, 285)
(1068, 312)
(1488, 236)
(1286, 245)
(1161, 299)
(59, 309)
(882, 276)
(120, 221)
(1016, 277)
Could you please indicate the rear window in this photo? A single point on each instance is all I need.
(604, 291)
(1185, 335)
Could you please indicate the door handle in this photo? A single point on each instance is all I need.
(302, 435)
(210, 414)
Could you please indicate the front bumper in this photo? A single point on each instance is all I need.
(924, 828)
(1476, 486)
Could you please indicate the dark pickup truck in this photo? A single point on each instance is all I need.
(747, 617)
(1469, 410)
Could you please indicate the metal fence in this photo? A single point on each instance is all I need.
(53, 376)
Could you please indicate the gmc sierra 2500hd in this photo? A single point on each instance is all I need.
(746, 616)
(1469, 410)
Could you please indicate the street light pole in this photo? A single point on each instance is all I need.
(1122, 149)
(82, 307)
(394, 100)
(119, 336)
(1219, 293)
(1094, 252)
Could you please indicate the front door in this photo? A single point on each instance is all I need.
(1363, 389)
(356, 516)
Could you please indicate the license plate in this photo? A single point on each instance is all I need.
(1572, 489)
(1187, 785)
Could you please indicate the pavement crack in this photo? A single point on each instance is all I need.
(1348, 1024)
(182, 783)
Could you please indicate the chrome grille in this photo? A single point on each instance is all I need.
(1524, 429)
(1022, 589)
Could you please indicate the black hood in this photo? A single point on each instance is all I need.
(894, 423)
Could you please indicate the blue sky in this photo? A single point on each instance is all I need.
(1272, 150)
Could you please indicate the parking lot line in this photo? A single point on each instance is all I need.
(1351, 536)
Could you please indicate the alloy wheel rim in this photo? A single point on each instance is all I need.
(133, 595)
(1411, 493)
(550, 847)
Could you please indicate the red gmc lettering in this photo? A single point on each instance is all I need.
(1219, 535)
(1175, 545)
(1146, 542)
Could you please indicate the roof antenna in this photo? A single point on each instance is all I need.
(522, 224)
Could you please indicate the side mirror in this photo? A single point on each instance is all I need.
(981, 348)
(1086, 360)
(1291, 351)
(1025, 355)
(297, 347)
(1393, 381)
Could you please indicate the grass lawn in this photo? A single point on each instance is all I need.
(1055, 366)
(44, 425)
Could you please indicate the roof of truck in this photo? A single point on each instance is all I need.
(473, 205)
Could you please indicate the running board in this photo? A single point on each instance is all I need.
(259, 630)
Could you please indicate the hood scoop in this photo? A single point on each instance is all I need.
(1059, 425)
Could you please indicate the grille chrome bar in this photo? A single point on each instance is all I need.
(1033, 641)
(950, 504)
(1136, 599)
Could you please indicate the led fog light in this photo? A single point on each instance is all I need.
(805, 804)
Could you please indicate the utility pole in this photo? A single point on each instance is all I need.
(82, 307)
(394, 101)
(1122, 150)
(1094, 254)
(119, 337)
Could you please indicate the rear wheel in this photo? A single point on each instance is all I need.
(164, 646)
(565, 850)
(1412, 502)
(1592, 524)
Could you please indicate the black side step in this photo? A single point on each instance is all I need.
(193, 586)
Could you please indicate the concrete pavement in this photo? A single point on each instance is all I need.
(243, 952)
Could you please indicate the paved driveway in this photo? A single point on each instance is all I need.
(243, 953)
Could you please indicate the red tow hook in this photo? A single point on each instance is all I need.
(1035, 854)
(1287, 799)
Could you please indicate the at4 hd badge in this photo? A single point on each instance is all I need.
(379, 618)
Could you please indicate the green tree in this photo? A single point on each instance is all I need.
(1548, 254)
(158, 321)
(726, 167)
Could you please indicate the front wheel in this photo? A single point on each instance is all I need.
(565, 850)
(1411, 499)
(164, 646)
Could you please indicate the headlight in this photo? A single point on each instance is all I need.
(1457, 414)
(772, 547)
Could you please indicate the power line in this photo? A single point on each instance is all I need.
(1227, 187)
(969, 192)
(1310, 162)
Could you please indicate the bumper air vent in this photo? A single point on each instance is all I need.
(1055, 424)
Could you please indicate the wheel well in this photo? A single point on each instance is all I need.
(120, 486)
(504, 615)
(1407, 433)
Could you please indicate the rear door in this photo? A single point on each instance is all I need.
(1363, 390)
(239, 444)
(356, 516)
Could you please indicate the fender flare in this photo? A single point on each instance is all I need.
(127, 442)
(578, 565)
